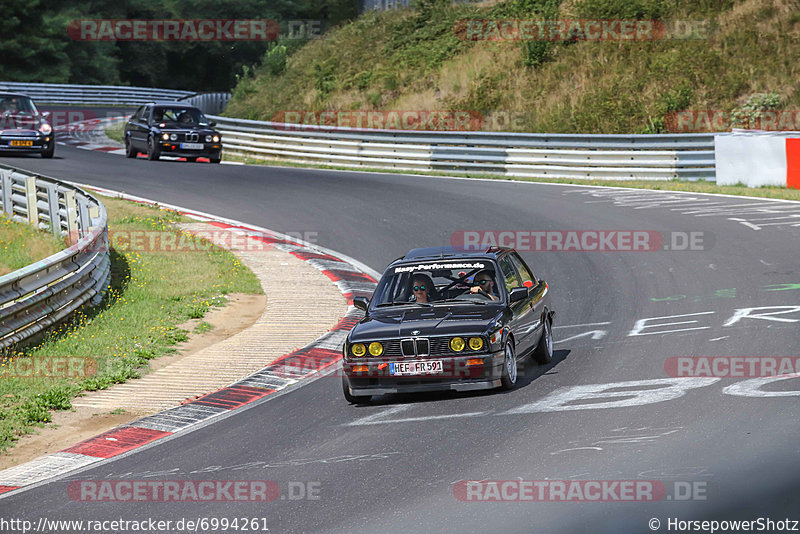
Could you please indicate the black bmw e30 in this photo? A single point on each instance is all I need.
(444, 319)
(172, 129)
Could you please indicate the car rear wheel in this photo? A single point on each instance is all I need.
(153, 151)
(508, 380)
(544, 350)
(130, 152)
(49, 151)
(353, 399)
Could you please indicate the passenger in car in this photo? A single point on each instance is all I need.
(422, 289)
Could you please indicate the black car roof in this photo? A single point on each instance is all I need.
(440, 253)
(4, 94)
(168, 104)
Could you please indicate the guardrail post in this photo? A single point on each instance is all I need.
(72, 217)
(31, 201)
(52, 206)
(83, 214)
(5, 184)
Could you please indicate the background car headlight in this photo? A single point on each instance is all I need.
(216, 139)
(475, 343)
(45, 128)
(208, 139)
(358, 350)
(375, 348)
(165, 137)
(457, 344)
(174, 137)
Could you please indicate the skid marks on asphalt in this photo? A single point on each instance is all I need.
(754, 214)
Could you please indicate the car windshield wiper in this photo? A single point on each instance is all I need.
(479, 303)
(403, 303)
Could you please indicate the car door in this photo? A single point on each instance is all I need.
(536, 292)
(138, 128)
(522, 320)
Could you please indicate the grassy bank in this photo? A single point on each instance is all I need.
(115, 130)
(22, 244)
(150, 294)
(414, 60)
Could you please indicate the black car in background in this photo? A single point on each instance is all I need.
(444, 319)
(172, 129)
(23, 128)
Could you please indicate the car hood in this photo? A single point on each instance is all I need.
(437, 320)
(19, 124)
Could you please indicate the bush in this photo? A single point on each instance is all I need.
(275, 60)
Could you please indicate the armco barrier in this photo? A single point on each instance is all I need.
(112, 95)
(646, 157)
(46, 292)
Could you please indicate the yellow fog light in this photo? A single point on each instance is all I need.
(475, 343)
(457, 344)
(358, 350)
(375, 348)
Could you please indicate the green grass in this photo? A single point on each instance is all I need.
(21, 244)
(150, 294)
(667, 185)
(114, 131)
(413, 60)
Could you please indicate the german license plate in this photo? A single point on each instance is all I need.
(20, 143)
(192, 146)
(416, 368)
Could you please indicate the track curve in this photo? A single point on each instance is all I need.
(393, 466)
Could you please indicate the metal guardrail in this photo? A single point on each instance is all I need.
(112, 95)
(46, 292)
(648, 157)
(109, 95)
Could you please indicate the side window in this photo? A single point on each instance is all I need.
(138, 115)
(145, 114)
(509, 273)
(524, 273)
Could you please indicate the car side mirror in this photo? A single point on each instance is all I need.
(362, 303)
(212, 124)
(517, 294)
(46, 115)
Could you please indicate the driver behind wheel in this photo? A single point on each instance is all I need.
(483, 284)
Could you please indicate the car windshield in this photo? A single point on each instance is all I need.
(179, 117)
(435, 283)
(17, 104)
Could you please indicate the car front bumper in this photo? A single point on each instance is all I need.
(456, 375)
(209, 150)
(38, 143)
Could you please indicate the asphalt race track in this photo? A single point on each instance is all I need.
(393, 466)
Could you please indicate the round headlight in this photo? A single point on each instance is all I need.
(45, 128)
(165, 137)
(358, 350)
(457, 344)
(475, 343)
(375, 348)
(216, 139)
(174, 137)
(208, 139)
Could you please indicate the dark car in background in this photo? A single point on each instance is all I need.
(444, 319)
(23, 128)
(172, 129)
